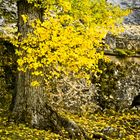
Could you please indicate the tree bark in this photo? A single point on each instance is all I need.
(26, 96)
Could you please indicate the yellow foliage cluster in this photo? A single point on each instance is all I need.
(69, 39)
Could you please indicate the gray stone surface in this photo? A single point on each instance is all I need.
(134, 17)
(8, 17)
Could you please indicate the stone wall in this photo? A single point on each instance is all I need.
(124, 53)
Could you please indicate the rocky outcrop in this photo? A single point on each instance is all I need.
(125, 56)
(8, 17)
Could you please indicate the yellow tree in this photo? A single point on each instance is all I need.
(58, 38)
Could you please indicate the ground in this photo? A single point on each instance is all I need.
(110, 124)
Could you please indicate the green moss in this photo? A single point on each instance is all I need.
(124, 52)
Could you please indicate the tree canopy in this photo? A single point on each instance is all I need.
(69, 39)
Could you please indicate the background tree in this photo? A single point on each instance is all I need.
(57, 39)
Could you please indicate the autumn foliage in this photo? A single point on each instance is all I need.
(69, 39)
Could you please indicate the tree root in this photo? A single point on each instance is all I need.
(74, 131)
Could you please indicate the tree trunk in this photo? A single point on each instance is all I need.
(27, 97)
